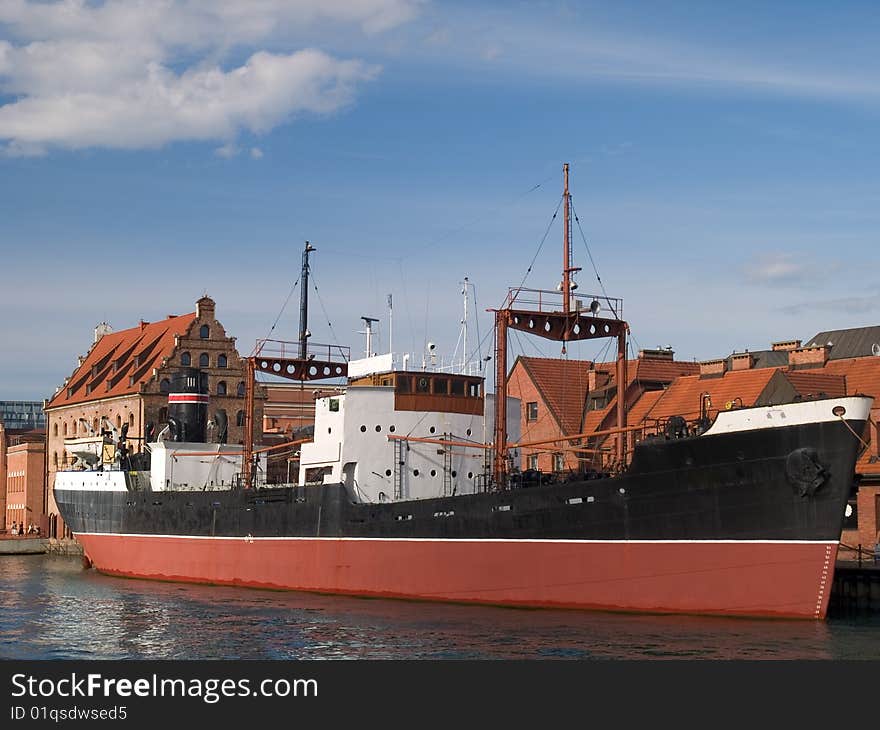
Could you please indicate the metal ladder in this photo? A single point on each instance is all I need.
(447, 467)
(400, 449)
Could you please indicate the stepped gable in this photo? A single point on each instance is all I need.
(563, 386)
(119, 362)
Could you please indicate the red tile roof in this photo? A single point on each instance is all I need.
(813, 383)
(563, 385)
(120, 361)
(682, 397)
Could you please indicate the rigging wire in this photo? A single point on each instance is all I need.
(324, 309)
(596, 269)
(283, 307)
(541, 245)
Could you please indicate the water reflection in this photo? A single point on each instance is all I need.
(50, 608)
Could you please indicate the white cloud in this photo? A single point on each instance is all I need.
(787, 269)
(256, 153)
(227, 151)
(131, 74)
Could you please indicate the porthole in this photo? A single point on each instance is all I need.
(432, 429)
(388, 472)
(363, 429)
(470, 475)
(454, 473)
(391, 428)
(433, 472)
(468, 432)
(415, 472)
(329, 430)
(378, 429)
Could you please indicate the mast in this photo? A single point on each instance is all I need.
(571, 323)
(464, 324)
(566, 244)
(304, 302)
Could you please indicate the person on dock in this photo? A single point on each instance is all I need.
(14, 528)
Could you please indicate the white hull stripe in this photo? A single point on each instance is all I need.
(855, 408)
(478, 541)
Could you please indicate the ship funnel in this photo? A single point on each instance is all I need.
(188, 405)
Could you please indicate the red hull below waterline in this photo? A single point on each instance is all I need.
(784, 579)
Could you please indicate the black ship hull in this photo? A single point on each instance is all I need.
(744, 523)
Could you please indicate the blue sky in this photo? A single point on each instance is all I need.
(723, 167)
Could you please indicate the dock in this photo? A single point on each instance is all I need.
(856, 587)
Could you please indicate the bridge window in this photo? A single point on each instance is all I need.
(474, 390)
(441, 386)
(457, 387)
(404, 384)
(422, 385)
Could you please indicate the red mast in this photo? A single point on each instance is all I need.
(574, 322)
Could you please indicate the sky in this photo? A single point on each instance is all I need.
(723, 169)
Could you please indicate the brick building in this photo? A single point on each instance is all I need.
(562, 397)
(11, 438)
(25, 484)
(125, 377)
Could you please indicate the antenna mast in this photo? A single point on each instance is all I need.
(464, 324)
(304, 302)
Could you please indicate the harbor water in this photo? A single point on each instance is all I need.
(52, 608)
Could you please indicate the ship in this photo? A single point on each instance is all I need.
(401, 494)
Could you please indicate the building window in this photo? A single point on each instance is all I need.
(221, 361)
(185, 359)
(55, 430)
(241, 390)
(118, 421)
(532, 411)
(558, 462)
(204, 332)
(55, 458)
(204, 360)
(64, 429)
(221, 388)
(334, 405)
(165, 385)
(532, 462)
(239, 418)
(131, 420)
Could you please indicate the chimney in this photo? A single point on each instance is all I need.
(597, 379)
(143, 325)
(713, 368)
(786, 345)
(808, 357)
(659, 354)
(742, 361)
(205, 308)
(101, 330)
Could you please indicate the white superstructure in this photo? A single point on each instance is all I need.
(383, 436)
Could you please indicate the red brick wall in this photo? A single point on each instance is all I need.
(24, 484)
(869, 520)
(545, 426)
